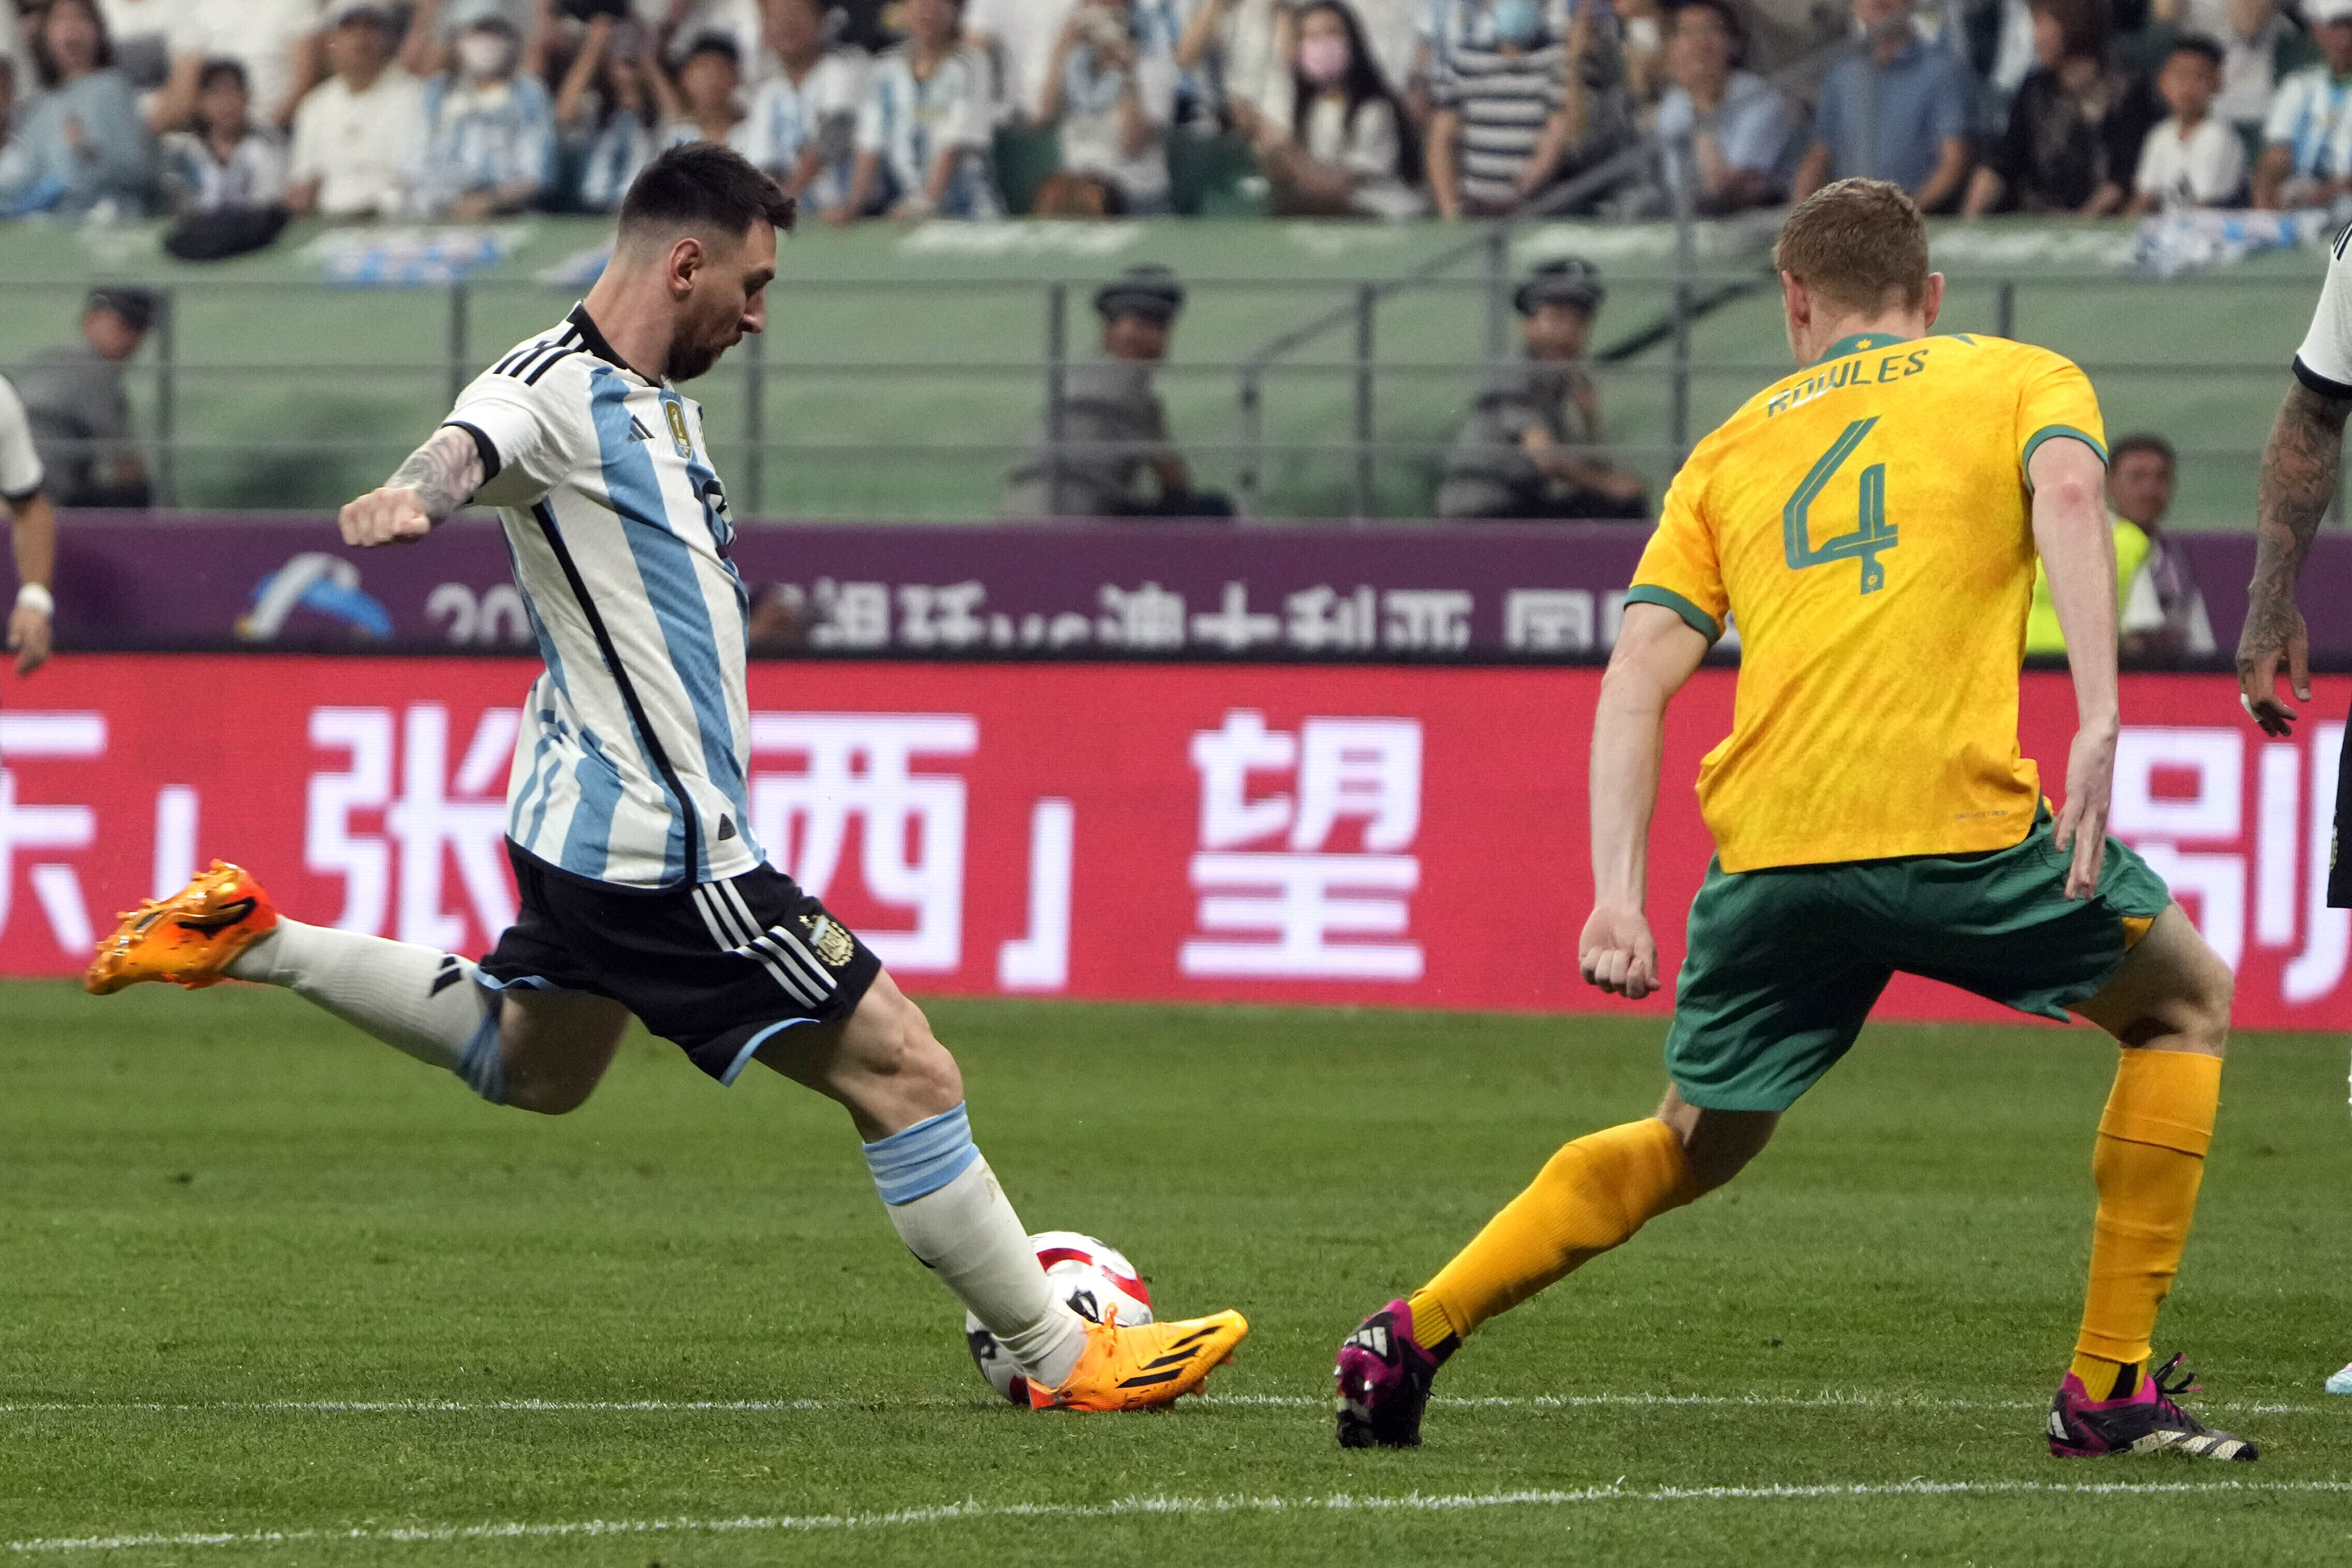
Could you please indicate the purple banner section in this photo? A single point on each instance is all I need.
(1094, 590)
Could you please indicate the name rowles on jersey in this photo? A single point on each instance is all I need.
(1849, 371)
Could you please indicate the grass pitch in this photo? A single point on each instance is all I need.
(269, 1292)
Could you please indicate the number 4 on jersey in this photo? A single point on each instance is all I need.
(1871, 533)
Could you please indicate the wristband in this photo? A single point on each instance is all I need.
(33, 596)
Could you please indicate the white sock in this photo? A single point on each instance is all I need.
(422, 1000)
(947, 1207)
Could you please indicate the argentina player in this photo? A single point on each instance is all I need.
(642, 891)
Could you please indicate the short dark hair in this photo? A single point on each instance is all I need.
(1859, 242)
(704, 185)
(2203, 47)
(45, 69)
(1734, 27)
(215, 69)
(2143, 441)
(716, 44)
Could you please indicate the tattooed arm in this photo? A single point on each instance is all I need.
(438, 477)
(2297, 483)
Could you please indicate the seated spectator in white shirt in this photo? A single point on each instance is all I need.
(2193, 159)
(803, 118)
(357, 135)
(922, 129)
(1017, 36)
(1342, 150)
(85, 148)
(489, 131)
(1111, 91)
(227, 161)
(1743, 138)
(2306, 158)
(2251, 33)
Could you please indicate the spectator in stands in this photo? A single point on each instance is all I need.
(2194, 159)
(1644, 27)
(607, 107)
(1743, 136)
(227, 162)
(86, 150)
(922, 130)
(359, 134)
(2306, 160)
(1520, 91)
(16, 161)
(1243, 49)
(489, 131)
(274, 40)
(1110, 87)
(80, 412)
(803, 119)
(702, 105)
(1113, 457)
(2076, 126)
(2252, 34)
(2164, 618)
(1532, 447)
(1017, 36)
(1343, 149)
(1898, 109)
(687, 22)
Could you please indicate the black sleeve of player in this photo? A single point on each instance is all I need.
(2339, 875)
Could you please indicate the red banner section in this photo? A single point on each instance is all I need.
(1402, 836)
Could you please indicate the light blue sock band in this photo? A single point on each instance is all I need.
(924, 1158)
(482, 1068)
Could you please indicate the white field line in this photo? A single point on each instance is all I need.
(1829, 1400)
(1336, 1502)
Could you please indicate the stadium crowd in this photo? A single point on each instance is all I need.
(467, 109)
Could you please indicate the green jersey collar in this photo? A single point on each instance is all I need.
(1858, 342)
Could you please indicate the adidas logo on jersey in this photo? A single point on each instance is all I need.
(637, 431)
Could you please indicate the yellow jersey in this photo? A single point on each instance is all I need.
(1865, 521)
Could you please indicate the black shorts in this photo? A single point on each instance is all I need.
(716, 969)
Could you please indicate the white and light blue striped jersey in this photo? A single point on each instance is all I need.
(820, 111)
(480, 137)
(2311, 116)
(632, 765)
(909, 119)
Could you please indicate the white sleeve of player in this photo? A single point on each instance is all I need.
(530, 437)
(20, 465)
(2324, 362)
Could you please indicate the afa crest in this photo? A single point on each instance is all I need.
(833, 945)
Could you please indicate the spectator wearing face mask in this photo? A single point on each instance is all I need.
(85, 148)
(489, 131)
(1111, 90)
(1344, 150)
(1500, 100)
(227, 162)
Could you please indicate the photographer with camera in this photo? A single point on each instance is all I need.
(1111, 88)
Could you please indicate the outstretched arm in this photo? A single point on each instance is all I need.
(2078, 549)
(438, 477)
(35, 531)
(2297, 481)
(1656, 653)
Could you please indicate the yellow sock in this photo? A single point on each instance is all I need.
(1591, 1195)
(2149, 1159)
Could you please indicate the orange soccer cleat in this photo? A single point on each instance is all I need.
(1146, 1365)
(186, 939)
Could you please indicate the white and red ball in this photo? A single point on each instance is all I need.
(1089, 1277)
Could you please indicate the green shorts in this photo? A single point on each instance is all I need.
(1786, 963)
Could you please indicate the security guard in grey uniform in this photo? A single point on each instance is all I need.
(1532, 447)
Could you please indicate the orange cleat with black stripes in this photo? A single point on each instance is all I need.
(187, 938)
(1146, 1365)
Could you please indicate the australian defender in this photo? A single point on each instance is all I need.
(1871, 523)
(642, 891)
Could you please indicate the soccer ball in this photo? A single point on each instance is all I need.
(1088, 1276)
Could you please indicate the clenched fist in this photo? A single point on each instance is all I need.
(392, 515)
